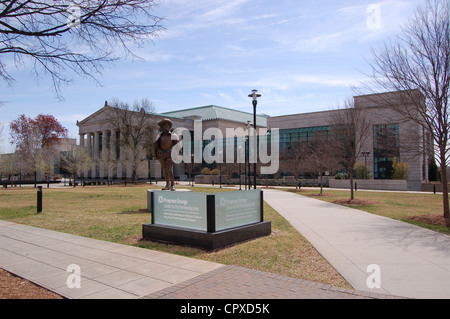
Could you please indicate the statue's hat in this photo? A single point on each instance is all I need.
(164, 121)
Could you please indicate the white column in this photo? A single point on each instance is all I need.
(104, 149)
(95, 150)
(89, 150)
(123, 163)
(89, 142)
(120, 164)
(82, 147)
(113, 145)
(81, 139)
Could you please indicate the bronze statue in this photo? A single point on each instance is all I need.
(162, 149)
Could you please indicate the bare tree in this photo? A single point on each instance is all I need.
(35, 139)
(417, 63)
(34, 157)
(9, 165)
(1, 133)
(350, 128)
(294, 159)
(76, 161)
(107, 162)
(319, 156)
(77, 35)
(136, 125)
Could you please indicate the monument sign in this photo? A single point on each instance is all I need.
(204, 220)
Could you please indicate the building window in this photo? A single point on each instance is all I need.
(386, 146)
(383, 167)
(294, 136)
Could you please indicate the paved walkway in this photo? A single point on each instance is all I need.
(109, 270)
(413, 262)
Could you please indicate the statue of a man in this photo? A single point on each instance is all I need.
(162, 149)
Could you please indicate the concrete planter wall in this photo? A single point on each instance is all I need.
(209, 179)
(431, 187)
(375, 184)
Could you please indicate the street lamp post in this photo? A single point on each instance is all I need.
(254, 95)
(192, 169)
(239, 152)
(245, 163)
(220, 170)
(247, 157)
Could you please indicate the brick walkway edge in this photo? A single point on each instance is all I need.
(234, 282)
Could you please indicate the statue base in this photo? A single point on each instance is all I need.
(203, 220)
(205, 240)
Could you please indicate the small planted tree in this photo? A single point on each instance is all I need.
(34, 139)
(76, 162)
(136, 126)
(107, 161)
(349, 131)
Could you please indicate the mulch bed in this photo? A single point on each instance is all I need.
(13, 287)
(355, 201)
(437, 220)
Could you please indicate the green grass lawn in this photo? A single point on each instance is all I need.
(117, 213)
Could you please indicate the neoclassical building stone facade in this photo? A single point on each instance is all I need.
(97, 132)
(410, 143)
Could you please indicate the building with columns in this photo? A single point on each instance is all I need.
(98, 132)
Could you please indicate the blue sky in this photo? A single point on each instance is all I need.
(302, 56)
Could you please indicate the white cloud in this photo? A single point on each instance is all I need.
(298, 54)
(227, 97)
(189, 18)
(326, 80)
(71, 118)
(223, 9)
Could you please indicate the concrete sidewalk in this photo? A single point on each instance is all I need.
(413, 262)
(114, 271)
(108, 270)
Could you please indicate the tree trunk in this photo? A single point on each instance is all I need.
(321, 184)
(134, 176)
(445, 193)
(352, 195)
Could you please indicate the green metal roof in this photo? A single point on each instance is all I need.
(213, 112)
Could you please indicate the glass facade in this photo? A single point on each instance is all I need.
(386, 144)
(296, 135)
(385, 147)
